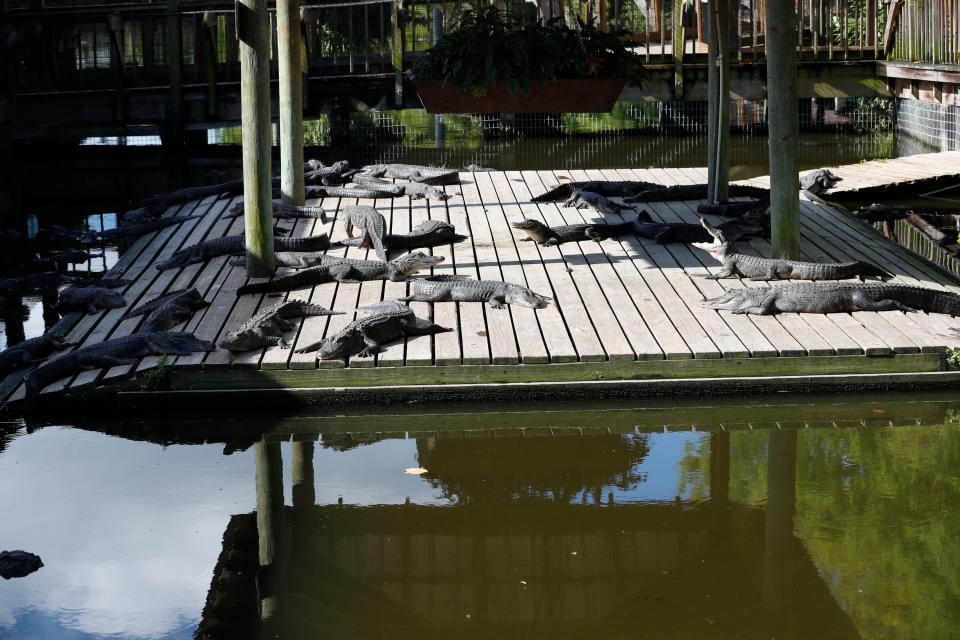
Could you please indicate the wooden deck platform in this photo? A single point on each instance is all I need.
(877, 175)
(626, 309)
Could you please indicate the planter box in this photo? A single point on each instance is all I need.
(559, 96)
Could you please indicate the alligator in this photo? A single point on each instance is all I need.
(167, 311)
(366, 336)
(552, 236)
(475, 168)
(227, 245)
(282, 212)
(836, 297)
(819, 181)
(735, 209)
(69, 256)
(103, 283)
(661, 193)
(415, 190)
(371, 224)
(18, 564)
(110, 353)
(331, 268)
(877, 212)
(267, 327)
(430, 233)
(315, 172)
(582, 199)
(163, 201)
(462, 289)
(755, 268)
(127, 231)
(416, 173)
(609, 188)
(314, 191)
(682, 232)
(29, 351)
(90, 299)
(138, 216)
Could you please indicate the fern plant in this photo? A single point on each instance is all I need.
(488, 46)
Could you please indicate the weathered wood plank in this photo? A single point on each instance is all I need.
(474, 343)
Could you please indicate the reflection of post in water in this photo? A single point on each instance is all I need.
(719, 476)
(269, 475)
(778, 535)
(301, 459)
(14, 314)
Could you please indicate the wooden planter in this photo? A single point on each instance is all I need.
(559, 96)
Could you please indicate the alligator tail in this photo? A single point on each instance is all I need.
(308, 243)
(559, 191)
(299, 280)
(866, 269)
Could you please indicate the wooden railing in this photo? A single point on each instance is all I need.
(65, 45)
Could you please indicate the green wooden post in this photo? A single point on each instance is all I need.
(253, 29)
(291, 102)
(174, 58)
(270, 530)
(782, 127)
(678, 45)
(718, 110)
(396, 24)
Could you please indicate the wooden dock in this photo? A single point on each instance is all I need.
(878, 176)
(626, 309)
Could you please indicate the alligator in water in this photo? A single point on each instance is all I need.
(836, 297)
(18, 564)
(582, 199)
(682, 232)
(552, 236)
(111, 353)
(267, 327)
(227, 245)
(127, 231)
(282, 211)
(430, 233)
(819, 181)
(89, 299)
(371, 225)
(366, 336)
(25, 353)
(331, 268)
(414, 190)
(755, 268)
(32, 282)
(461, 289)
(609, 188)
(167, 311)
(315, 172)
(416, 173)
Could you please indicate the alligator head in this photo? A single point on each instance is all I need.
(533, 228)
(411, 263)
(179, 341)
(341, 345)
(526, 298)
(719, 247)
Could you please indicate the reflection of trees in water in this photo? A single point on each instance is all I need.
(558, 469)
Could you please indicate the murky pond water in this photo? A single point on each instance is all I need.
(797, 518)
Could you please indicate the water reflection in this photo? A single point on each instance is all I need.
(796, 521)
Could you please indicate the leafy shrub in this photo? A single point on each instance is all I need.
(488, 46)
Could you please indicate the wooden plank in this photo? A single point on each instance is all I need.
(420, 348)
(558, 345)
(397, 212)
(503, 341)
(526, 322)
(611, 334)
(446, 346)
(565, 296)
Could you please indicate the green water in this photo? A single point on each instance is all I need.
(792, 517)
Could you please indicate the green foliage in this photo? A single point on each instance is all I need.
(488, 46)
(872, 115)
(953, 359)
(158, 378)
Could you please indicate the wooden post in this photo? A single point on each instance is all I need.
(396, 23)
(718, 109)
(782, 128)
(207, 33)
(116, 62)
(291, 102)
(270, 519)
(677, 45)
(174, 59)
(253, 30)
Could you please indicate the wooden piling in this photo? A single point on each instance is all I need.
(396, 24)
(782, 126)
(253, 31)
(678, 46)
(174, 59)
(718, 110)
(291, 102)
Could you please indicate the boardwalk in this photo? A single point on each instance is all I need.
(877, 174)
(623, 309)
